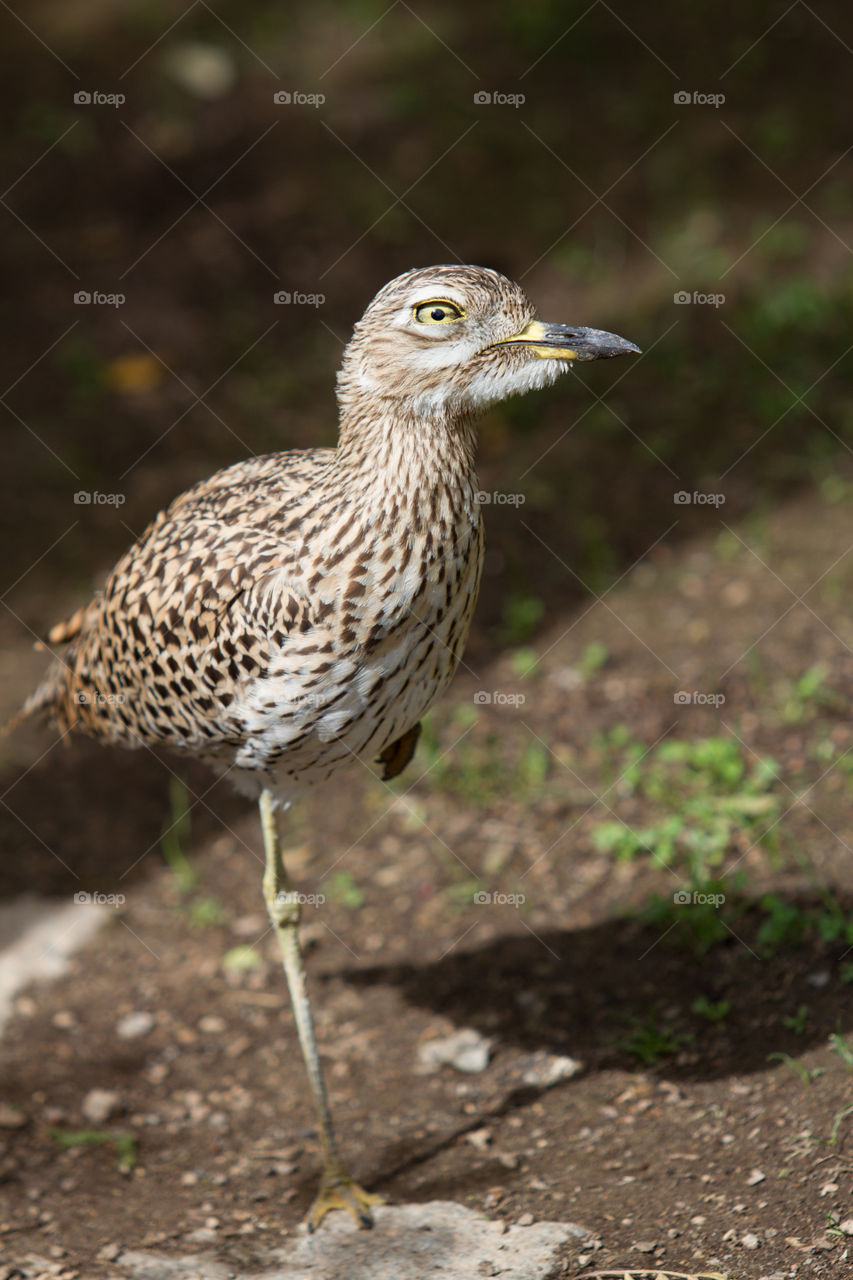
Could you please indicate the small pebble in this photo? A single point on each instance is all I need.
(479, 1138)
(755, 1177)
(99, 1105)
(203, 70)
(211, 1024)
(135, 1024)
(750, 1241)
(203, 1235)
(526, 1220)
(466, 1050)
(548, 1068)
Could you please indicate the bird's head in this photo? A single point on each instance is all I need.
(446, 341)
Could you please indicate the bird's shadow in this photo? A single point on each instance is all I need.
(620, 994)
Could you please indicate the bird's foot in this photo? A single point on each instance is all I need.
(339, 1191)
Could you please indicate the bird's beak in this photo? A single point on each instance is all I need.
(568, 342)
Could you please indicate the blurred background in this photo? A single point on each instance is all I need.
(200, 196)
(198, 201)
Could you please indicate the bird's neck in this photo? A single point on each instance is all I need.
(421, 465)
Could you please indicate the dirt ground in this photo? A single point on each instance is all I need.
(713, 1156)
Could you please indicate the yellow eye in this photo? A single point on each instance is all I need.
(438, 311)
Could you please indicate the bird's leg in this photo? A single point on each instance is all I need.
(337, 1189)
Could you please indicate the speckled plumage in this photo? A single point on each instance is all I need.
(299, 609)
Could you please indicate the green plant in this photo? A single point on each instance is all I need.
(649, 1042)
(484, 767)
(807, 1076)
(699, 928)
(838, 1119)
(204, 912)
(124, 1143)
(592, 659)
(807, 695)
(704, 796)
(797, 1022)
(788, 923)
(176, 832)
(785, 923)
(342, 888)
(844, 1050)
(521, 617)
(524, 661)
(713, 1010)
(241, 959)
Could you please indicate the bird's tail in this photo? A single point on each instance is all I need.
(48, 699)
(42, 703)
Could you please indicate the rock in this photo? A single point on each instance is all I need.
(466, 1050)
(479, 1138)
(755, 1177)
(133, 1025)
(408, 1242)
(37, 939)
(99, 1105)
(203, 70)
(847, 1226)
(211, 1024)
(545, 1069)
(750, 1241)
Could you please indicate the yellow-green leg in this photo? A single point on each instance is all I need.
(337, 1189)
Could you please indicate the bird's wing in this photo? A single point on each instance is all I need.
(194, 610)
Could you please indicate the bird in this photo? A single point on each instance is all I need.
(303, 609)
